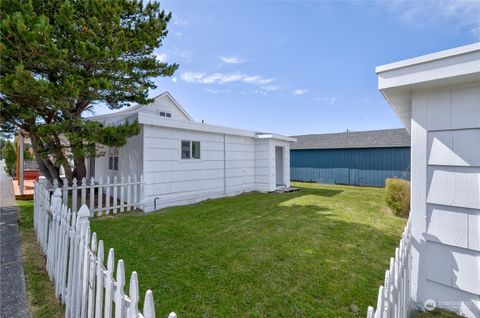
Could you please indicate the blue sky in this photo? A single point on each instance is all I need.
(301, 67)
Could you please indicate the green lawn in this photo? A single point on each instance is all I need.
(318, 252)
(40, 290)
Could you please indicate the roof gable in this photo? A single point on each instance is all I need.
(161, 103)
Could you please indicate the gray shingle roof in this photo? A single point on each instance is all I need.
(357, 139)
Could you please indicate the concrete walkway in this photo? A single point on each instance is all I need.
(13, 297)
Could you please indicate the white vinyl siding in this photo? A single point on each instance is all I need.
(223, 167)
(129, 159)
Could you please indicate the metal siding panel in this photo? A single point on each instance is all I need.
(366, 167)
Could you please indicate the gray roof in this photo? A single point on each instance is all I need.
(357, 139)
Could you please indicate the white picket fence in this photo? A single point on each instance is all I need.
(75, 263)
(394, 296)
(112, 196)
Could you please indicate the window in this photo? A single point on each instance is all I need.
(196, 149)
(165, 114)
(113, 158)
(185, 149)
(190, 149)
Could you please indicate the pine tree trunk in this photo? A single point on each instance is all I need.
(80, 170)
(46, 167)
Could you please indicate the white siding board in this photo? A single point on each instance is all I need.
(468, 279)
(160, 142)
(447, 226)
(174, 165)
(466, 143)
(439, 262)
(454, 108)
(451, 298)
(454, 147)
(439, 110)
(454, 186)
(183, 186)
(182, 175)
(155, 154)
(473, 231)
(444, 263)
(466, 107)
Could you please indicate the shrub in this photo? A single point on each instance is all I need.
(9, 153)
(398, 196)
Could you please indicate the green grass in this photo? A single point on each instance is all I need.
(318, 252)
(437, 313)
(40, 292)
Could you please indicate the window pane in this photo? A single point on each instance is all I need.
(162, 114)
(115, 160)
(185, 149)
(110, 163)
(115, 151)
(169, 115)
(196, 149)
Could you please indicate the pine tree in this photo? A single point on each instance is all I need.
(61, 58)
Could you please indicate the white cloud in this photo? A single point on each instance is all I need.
(184, 55)
(223, 78)
(270, 88)
(327, 99)
(180, 22)
(161, 57)
(418, 13)
(216, 91)
(232, 59)
(174, 79)
(299, 92)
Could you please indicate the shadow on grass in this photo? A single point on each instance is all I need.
(252, 256)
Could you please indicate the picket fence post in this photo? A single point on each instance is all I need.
(75, 257)
(393, 299)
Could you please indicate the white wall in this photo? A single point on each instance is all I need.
(445, 207)
(265, 168)
(130, 160)
(262, 165)
(165, 104)
(177, 181)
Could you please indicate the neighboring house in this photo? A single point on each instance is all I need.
(364, 158)
(184, 162)
(437, 97)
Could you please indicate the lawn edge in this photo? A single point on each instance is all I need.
(41, 299)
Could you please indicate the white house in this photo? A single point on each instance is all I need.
(184, 161)
(437, 97)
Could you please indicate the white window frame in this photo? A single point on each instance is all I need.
(165, 114)
(190, 151)
(113, 153)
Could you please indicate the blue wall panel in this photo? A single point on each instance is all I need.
(362, 166)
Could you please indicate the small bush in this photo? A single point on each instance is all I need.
(9, 153)
(398, 196)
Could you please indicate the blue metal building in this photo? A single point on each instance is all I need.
(364, 158)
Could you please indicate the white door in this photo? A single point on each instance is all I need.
(279, 166)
